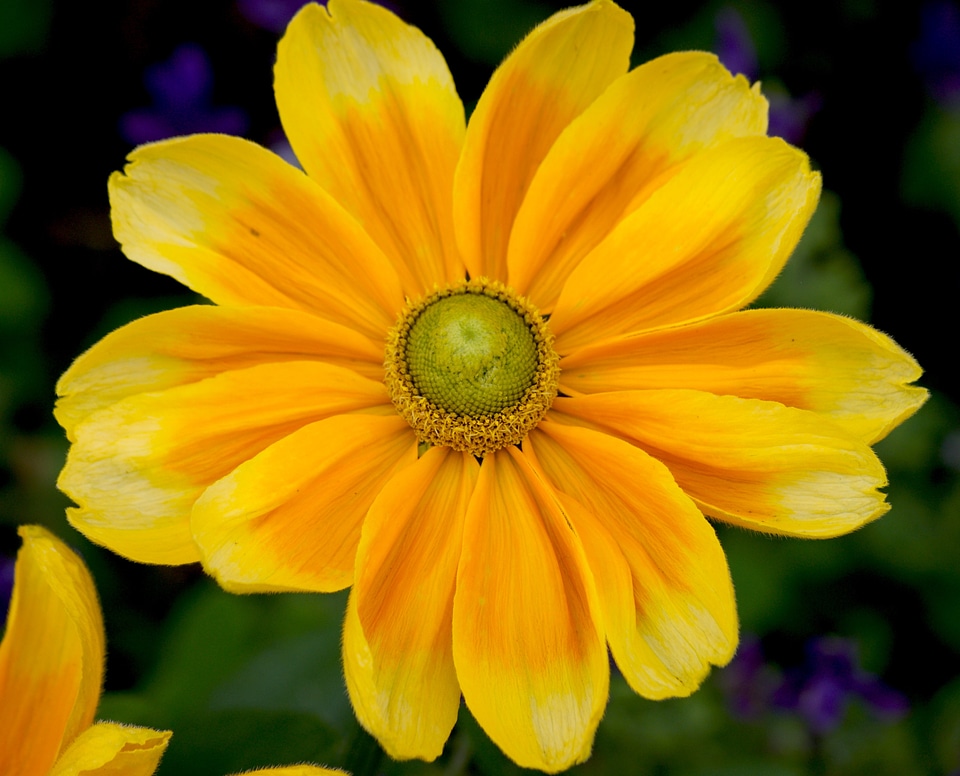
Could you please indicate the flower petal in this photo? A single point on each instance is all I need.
(662, 578)
(549, 79)
(610, 159)
(297, 770)
(239, 225)
(107, 749)
(137, 467)
(189, 344)
(527, 643)
(752, 463)
(816, 361)
(397, 642)
(371, 111)
(290, 518)
(708, 241)
(51, 657)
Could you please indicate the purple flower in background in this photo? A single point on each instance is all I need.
(790, 117)
(272, 15)
(818, 691)
(829, 679)
(181, 88)
(748, 682)
(6, 586)
(734, 46)
(936, 55)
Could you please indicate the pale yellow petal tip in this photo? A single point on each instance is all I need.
(112, 748)
(912, 398)
(557, 756)
(613, 14)
(33, 533)
(905, 374)
(139, 738)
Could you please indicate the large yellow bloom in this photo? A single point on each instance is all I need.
(612, 225)
(51, 672)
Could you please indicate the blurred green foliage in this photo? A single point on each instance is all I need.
(23, 25)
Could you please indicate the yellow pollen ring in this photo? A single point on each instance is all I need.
(457, 413)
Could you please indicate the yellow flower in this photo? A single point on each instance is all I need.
(492, 376)
(51, 672)
(296, 770)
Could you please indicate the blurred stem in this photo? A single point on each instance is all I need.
(460, 756)
(364, 754)
(818, 759)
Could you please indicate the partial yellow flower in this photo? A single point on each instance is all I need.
(490, 376)
(297, 770)
(51, 672)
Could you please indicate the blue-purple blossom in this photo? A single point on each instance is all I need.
(7, 566)
(818, 691)
(273, 15)
(735, 48)
(936, 54)
(790, 117)
(748, 682)
(181, 88)
(821, 689)
(734, 44)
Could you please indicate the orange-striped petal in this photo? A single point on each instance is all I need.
(108, 749)
(397, 642)
(290, 518)
(662, 578)
(189, 344)
(239, 225)
(51, 657)
(527, 642)
(609, 160)
(750, 462)
(842, 368)
(137, 467)
(708, 241)
(381, 129)
(549, 79)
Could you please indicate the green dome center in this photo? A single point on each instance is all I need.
(471, 354)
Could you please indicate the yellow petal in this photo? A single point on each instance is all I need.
(137, 467)
(183, 346)
(527, 642)
(609, 160)
(802, 358)
(398, 636)
(549, 79)
(662, 578)
(239, 225)
(51, 658)
(290, 518)
(108, 749)
(753, 463)
(297, 770)
(371, 111)
(708, 241)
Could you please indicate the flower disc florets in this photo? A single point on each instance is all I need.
(471, 367)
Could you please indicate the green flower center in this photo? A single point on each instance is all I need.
(471, 354)
(471, 367)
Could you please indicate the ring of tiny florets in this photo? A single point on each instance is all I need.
(483, 433)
